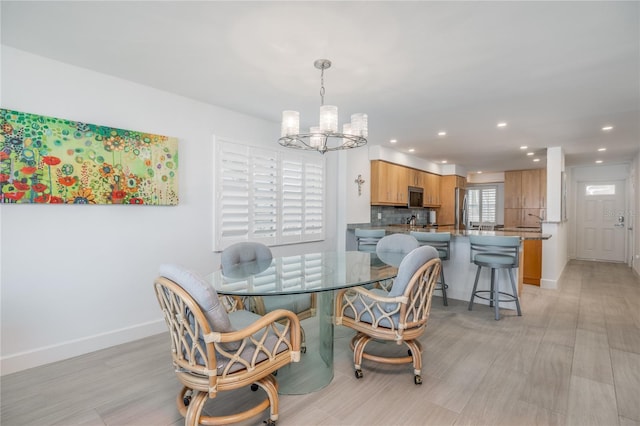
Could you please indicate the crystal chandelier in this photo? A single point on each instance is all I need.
(324, 137)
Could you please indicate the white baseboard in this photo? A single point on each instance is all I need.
(549, 284)
(48, 354)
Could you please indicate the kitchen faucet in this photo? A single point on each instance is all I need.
(540, 219)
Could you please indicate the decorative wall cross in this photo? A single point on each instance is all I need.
(359, 181)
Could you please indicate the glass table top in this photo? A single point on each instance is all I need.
(305, 273)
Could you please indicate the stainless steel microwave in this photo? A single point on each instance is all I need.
(416, 196)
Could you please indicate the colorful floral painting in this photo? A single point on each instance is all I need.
(51, 160)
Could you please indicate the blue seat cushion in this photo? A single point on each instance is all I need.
(377, 312)
(495, 259)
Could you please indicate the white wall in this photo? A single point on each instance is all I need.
(383, 153)
(79, 278)
(554, 253)
(634, 214)
(555, 168)
(358, 205)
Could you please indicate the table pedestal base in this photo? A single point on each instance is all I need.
(315, 369)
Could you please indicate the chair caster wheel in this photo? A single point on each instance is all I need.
(254, 387)
(358, 374)
(186, 397)
(303, 349)
(417, 379)
(409, 352)
(275, 373)
(270, 422)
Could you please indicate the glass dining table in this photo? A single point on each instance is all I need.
(314, 273)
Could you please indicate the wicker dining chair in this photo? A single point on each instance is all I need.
(391, 250)
(238, 255)
(399, 315)
(215, 351)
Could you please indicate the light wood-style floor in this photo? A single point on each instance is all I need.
(573, 358)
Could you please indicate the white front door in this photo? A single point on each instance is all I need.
(601, 221)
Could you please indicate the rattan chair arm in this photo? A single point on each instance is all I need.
(378, 298)
(272, 318)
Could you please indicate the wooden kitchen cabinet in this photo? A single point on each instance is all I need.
(512, 218)
(512, 189)
(416, 178)
(431, 190)
(532, 264)
(389, 183)
(524, 195)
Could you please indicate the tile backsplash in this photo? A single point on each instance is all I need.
(397, 215)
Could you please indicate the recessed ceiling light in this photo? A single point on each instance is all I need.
(524, 147)
(530, 153)
(411, 150)
(598, 161)
(393, 140)
(607, 128)
(442, 133)
(444, 161)
(535, 160)
(479, 172)
(502, 124)
(602, 149)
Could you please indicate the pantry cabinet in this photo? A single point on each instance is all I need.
(525, 194)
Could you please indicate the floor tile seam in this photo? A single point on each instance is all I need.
(576, 374)
(615, 399)
(616, 388)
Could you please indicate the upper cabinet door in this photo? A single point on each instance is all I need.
(512, 190)
(389, 184)
(531, 189)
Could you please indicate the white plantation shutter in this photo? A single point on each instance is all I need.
(268, 196)
(292, 200)
(313, 199)
(482, 204)
(488, 196)
(232, 176)
(264, 196)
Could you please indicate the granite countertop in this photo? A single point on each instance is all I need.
(524, 233)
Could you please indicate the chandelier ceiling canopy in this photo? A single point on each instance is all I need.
(324, 137)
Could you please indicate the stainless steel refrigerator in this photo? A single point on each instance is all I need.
(461, 208)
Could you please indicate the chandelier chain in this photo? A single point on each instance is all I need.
(322, 86)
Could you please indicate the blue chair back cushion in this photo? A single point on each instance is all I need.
(408, 267)
(244, 252)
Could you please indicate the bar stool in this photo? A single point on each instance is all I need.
(441, 241)
(495, 252)
(392, 249)
(368, 238)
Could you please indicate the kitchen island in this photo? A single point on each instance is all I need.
(459, 270)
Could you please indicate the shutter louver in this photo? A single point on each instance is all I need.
(267, 196)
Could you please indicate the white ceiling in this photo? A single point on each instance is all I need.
(556, 72)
